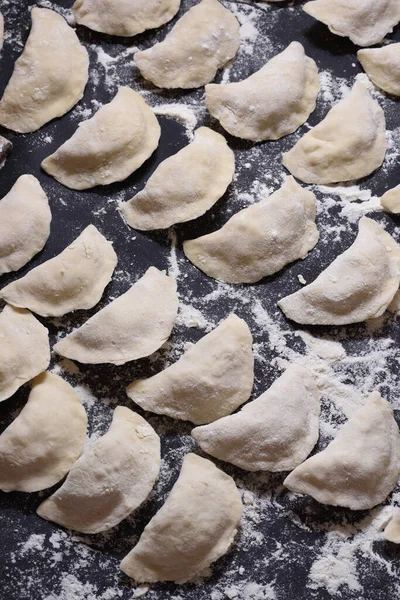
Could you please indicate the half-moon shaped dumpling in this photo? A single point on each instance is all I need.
(358, 285)
(112, 478)
(109, 147)
(260, 239)
(195, 526)
(24, 349)
(392, 529)
(133, 326)
(360, 467)
(275, 432)
(209, 381)
(382, 66)
(204, 170)
(124, 17)
(272, 102)
(49, 77)
(199, 44)
(391, 200)
(73, 280)
(42, 443)
(348, 144)
(25, 218)
(365, 22)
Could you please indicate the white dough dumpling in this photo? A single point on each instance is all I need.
(382, 65)
(49, 77)
(391, 200)
(392, 529)
(196, 526)
(200, 43)
(109, 147)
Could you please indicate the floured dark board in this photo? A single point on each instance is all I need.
(33, 577)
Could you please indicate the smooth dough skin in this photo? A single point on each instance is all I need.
(360, 467)
(195, 526)
(382, 65)
(391, 200)
(272, 102)
(392, 529)
(350, 143)
(49, 77)
(199, 44)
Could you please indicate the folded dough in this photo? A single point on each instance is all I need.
(110, 480)
(391, 200)
(260, 239)
(24, 349)
(133, 326)
(73, 280)
(25, 218)
(382, 66)
(200, 43)
(204, 170)
(392, 529)
(348, 144)
(195, 526)
(210, 380)
(272, 102)
(109, 147)
(49, 77)
(360, 467)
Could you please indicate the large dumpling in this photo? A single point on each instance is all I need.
(49, 77)
(382, 66)
(109, 147)
(391, 200)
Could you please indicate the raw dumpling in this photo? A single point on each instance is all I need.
(204, 169)
(365, 22)
(24, 349)
(109, 147)
(275, 432)
(134, 325)
(124, 17)
(348, 144)
(195, 526)
(200, 43)
(209, 381)
(392, 529)
(260, 239)
(272, 102)
(112, 478)
(42, 443)
(25, 218)
(382, 66)
(49, 77)
(391, 200)
(358, 285)
(73, 280)
(360, 467)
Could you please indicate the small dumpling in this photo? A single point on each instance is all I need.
(110, 480)
(25, 218)
(382, 66)
(73, 280)
(392, 529)
(134, 325)
(49, 77)
(24, 349)
(109, 147)
(209, 381)
(195, 526)
(272, 102)
(200, 43)
(43, 442)
(360, 467)
(358, 285)
(350, 143)
(391, 200)
(260, 239)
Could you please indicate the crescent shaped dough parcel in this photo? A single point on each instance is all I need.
(350, 143)
(109, 147)
(360, 467)
(73, 280)
(209, 381)
(272, 102)
(382, 65)
(25, 218)
(275, 432)
(260, 239)
(358, 285)
(392, 529)
(391, 200)
(200, 43)
(195, 526)
(42, 443)
(133, 326)
(110, 480)
(49, 77)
